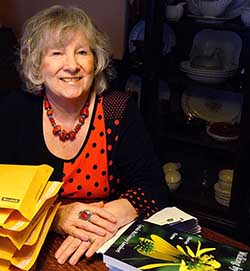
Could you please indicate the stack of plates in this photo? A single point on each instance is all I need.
(210, 76)
(211, 104)
(232, 11)
(222, 196)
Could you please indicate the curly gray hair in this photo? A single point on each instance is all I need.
(40, 29)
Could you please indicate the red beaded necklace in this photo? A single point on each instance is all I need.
(57, 129)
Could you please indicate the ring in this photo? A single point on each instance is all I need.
(90, 240)
(85, 215)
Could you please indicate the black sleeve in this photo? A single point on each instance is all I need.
(144, 183)
(9, 131)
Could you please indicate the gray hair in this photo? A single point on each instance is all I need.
(40, 29)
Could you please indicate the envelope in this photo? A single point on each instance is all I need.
(16, 222)
(21, 188)
(26, 257)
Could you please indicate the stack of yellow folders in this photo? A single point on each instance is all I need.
(27, 208)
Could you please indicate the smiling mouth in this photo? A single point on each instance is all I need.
(71, 79)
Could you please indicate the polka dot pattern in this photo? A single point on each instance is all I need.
(143, 205)
(94, 173)
(87, 176)
(115, 104)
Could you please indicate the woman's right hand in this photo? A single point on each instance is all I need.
(67, 220)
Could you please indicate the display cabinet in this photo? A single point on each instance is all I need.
(185, 138)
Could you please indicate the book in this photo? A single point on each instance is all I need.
(168, 216)
(148, 246)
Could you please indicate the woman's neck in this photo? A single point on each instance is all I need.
(67, 109)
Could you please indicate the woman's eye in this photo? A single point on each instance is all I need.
(82, 52)
(56, 53)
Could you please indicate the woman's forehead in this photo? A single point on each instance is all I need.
(55, 39)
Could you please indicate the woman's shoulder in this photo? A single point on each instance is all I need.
(115, 95)
(115, 103)
(19, 97)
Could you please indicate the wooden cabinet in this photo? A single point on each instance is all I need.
(177, 139)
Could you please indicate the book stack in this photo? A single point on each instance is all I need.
(148, 246)
(27, 208)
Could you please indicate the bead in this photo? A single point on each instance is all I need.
(47, 105)
(56, 129)
(63, 134)
(72, 135)
(84, 111)
(81, 120)
(77, 128)
(49, 112)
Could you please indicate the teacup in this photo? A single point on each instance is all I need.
(225, 179)
(173, 179)
(171, 166)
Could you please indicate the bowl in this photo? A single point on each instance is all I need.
(245, 16)
(213, 8)
(174, 12)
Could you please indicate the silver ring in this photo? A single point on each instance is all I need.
(85, 215)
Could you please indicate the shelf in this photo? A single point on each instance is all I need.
(178, 139)
(194, 134)
(232, 25)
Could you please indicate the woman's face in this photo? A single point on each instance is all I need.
(67, 69)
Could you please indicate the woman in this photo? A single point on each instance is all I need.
(93, 137)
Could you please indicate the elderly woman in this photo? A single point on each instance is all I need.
(93, 137)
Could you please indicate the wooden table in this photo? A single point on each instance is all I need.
(47, 261)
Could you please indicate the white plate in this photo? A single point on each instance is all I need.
(207, 79)
(209, 19)
(222, 202)
(137, 33)
(221, 138)
(212, 105)
(186, 66)
(221, 193)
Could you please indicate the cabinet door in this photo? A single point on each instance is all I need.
(180, 123)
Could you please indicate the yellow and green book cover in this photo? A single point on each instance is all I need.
(147, 246)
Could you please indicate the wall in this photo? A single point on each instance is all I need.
(109, 15)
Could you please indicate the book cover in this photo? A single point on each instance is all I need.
(147, 246)
(173, 216)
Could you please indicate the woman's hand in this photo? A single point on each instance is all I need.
(67, 220)
(73, 248)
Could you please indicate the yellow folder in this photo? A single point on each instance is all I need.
(21, 187)
(16, 222)
(27, 255)
(4, 265)
(30, 233)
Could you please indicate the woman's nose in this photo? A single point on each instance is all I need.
(71, 63)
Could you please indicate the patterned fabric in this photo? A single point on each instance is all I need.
(116, 160)
(86, 176)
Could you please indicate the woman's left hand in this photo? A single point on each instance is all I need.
(73, 248)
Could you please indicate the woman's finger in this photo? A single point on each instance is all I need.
(75, 257)
(96, 224)
(67, 248)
